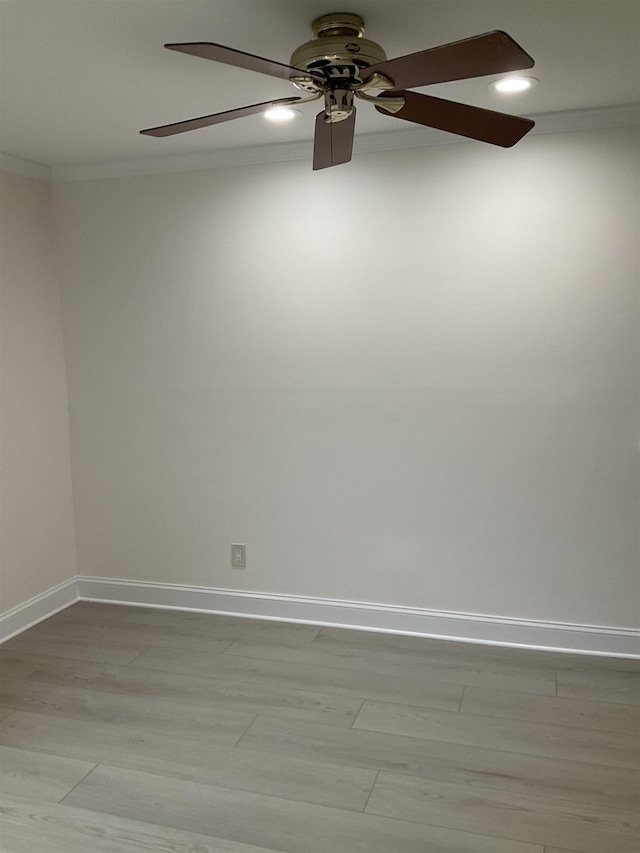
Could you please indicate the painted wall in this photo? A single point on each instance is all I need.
(412, 380)
(37, 547)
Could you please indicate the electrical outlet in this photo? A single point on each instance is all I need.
(238, 556)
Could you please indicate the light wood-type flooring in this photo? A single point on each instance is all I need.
(127, 729)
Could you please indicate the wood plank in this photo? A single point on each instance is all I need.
(70, 647)
(107, 633)
(291, 777)
(38, 776)
(401, 663)
(475, 767)
(30, 827)
(548, 849)
(507, 814)
(580, 713)
(169, 717)
(224, 694)
(613, 686)
(361, 685)
(209, 624)
(295, 827)
(573, 744)
(15, 664)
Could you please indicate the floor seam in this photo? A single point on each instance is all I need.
(79, 782)
(246, 730)
(357, 714)
(364, 808)
(139, 655)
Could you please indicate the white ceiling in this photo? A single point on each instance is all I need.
(81, 77)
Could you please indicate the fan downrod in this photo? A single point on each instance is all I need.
(338, 24)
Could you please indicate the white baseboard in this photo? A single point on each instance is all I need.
(40, 607)
(464, 627)
(470, 628)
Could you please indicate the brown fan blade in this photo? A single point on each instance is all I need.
(472, 122)
(216, 118)
(230, 56)
(490, 53)
(333, 141)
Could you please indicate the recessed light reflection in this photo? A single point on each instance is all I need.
(511, 85)
(281, 113)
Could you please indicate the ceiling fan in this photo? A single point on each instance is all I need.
(338, 64)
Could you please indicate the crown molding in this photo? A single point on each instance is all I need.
(26, 168)
(422, 137)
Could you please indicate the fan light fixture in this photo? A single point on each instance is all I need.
(511, 85)
(338, 65)
(281, 113)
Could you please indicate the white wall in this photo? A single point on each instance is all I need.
(410, 380)
(37, 548)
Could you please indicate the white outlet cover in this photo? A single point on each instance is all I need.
(238, 556)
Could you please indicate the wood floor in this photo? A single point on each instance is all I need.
(132, 729)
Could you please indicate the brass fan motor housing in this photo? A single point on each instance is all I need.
(337, 42)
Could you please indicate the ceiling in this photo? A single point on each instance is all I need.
(80, 78)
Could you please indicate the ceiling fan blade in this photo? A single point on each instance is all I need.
(216, 118)
(230, 56)
(489, 53)
(463, 119)
(333, 141)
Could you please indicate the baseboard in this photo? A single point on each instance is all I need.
(466, 627)
(40, 607)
